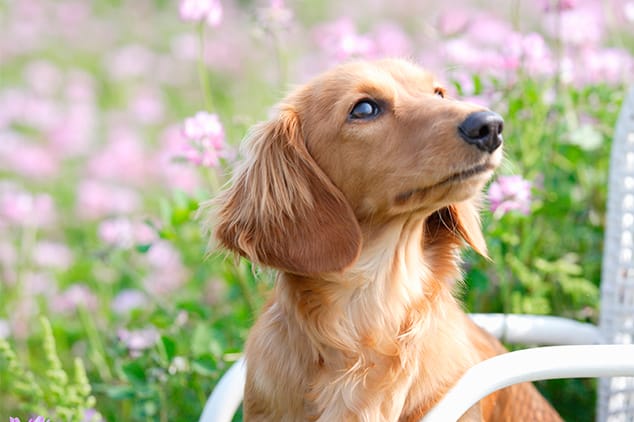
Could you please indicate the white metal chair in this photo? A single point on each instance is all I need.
(583, 350)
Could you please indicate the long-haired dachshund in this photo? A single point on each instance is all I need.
(361, 191)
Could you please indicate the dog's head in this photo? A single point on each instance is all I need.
(356, 147)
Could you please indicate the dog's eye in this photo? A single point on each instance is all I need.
(365, 109)
(440, 92)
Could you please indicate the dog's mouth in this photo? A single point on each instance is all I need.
(452, 179)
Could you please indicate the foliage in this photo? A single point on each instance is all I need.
(52, 388)
(117, 118)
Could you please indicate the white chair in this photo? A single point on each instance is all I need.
(616, 395)
(583, 350)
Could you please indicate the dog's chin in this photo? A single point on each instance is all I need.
(455, 187)
(476, 174)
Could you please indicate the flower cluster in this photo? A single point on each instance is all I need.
(206, 138)
(209, 11)
(510, 193)
(138, 340)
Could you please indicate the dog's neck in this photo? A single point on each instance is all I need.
(389, 290)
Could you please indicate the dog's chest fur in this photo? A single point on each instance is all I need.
(372, 348)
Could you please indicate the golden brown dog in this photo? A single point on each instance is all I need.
(361, 192)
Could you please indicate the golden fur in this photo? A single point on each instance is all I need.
(364, 220)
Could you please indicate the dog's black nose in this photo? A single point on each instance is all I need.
(482, 129)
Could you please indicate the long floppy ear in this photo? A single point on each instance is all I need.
(281, 210)
(465, 218)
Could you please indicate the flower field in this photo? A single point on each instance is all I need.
(117, 117)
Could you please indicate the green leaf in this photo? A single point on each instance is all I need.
(169, 347)
(134, 372)
(120, 392)
(477, 279)
(194, 307)
(205, 365)
(201, 340)
(143, 248)
(165, 211)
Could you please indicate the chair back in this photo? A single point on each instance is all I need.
(616, 395)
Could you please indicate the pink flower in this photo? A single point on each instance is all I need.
(340, 40)
(128, 300)
(26, 158)
(536, 55)
(97, 199)
(207, 140)
(73, 13)
(628, 11)
(39, 112)
(123, 158)
(11, 101)
(276, 16)
(48, 254)
(608, 65)
(74, 133)
(72, 298)
(558, 5)
(198, 10)
(167, 271)
(184, 46)
(92, 415)
(581, 27)
(204, 125)
(39, 283)
(464, 52)
(43, 77)
(80, 87)
(454, 21)
(125, 233)
(489, 30)
(147, 106)
(22, 316)
(510, 193)
(391, 41)
(173, 173)
(138, 340)
(131, 61)
(26, 209)
(529, 52)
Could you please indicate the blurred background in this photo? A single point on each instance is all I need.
(117, 117)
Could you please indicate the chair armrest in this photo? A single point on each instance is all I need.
(227, 396)
(537, 329)
(531, 365)
(526, 329)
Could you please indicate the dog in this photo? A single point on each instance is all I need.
(361, 192)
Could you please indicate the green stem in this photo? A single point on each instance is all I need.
(213, 180)
(281, 60)
(97, 347)
(163, 412)
(241, 277)
(505, 282)
(203, 75)
(117, 261)
(28, 237)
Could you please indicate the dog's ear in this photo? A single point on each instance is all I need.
(465, 221)
(281, 210)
